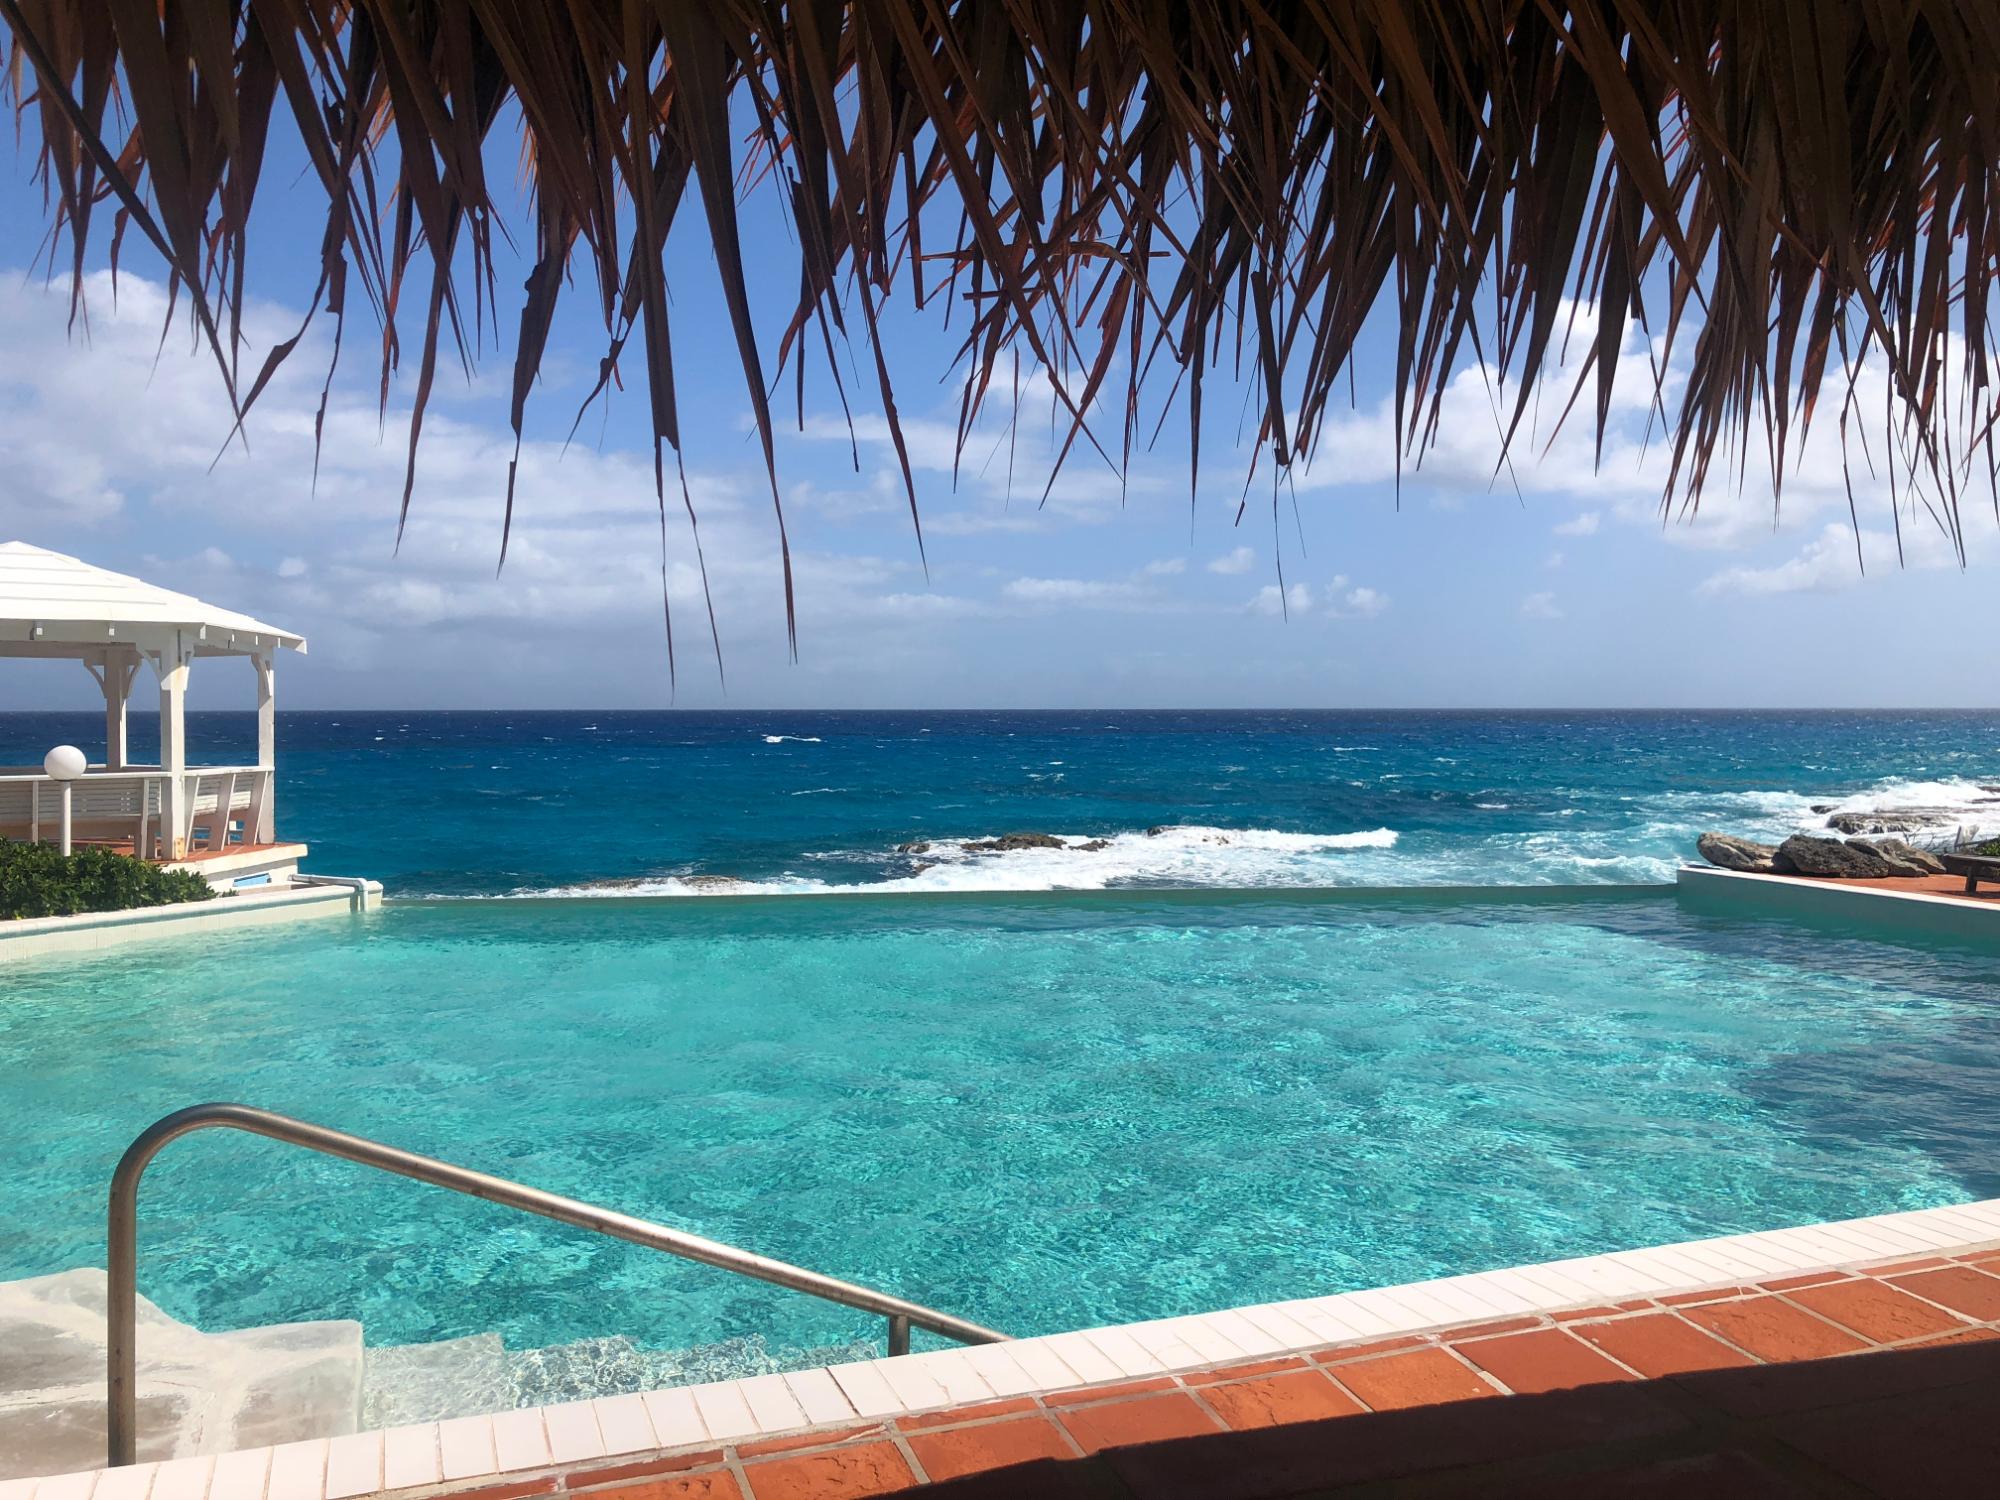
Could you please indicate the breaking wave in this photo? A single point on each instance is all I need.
(1194, 856)
(1932, 808)
(1550, 844)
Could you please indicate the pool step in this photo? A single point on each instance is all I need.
(410, 1383)
(406, 1383)
(197, 1392)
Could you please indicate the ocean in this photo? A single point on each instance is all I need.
(777, 801)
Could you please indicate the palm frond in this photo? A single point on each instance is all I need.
(1798, 187)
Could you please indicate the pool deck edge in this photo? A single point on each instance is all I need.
(89, 932)
(1917, 905)
(537, 1449)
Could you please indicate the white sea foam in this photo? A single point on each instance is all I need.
(797, 739)
(1962, 802)
(1572, 847)
(1952, 803)
(1180, 856)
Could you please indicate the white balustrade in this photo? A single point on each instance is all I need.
(223, 804)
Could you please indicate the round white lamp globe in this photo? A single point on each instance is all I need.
(65, 763)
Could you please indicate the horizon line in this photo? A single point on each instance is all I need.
(1526, 708)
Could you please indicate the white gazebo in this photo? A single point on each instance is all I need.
(223, 817)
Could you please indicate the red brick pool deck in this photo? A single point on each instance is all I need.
(1909, 885)
(1883, 1380)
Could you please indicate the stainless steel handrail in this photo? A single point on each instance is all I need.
(122, 1293)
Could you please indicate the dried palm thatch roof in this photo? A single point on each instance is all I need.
(1794, 186)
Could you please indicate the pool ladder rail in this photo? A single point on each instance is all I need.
(123, 1242)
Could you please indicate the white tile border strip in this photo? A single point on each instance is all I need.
(733, 1411)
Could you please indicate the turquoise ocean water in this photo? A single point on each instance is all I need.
(1040, 1108)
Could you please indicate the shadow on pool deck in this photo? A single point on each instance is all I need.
(1917, 1422)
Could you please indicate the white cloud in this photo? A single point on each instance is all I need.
(1231, 563)
(929, 606)
(1828, 562)
(1738, 509)
(582, 582)
(1271, 600)
(1166, 567)
(1554, 560)
(1831, 561)
(1540, 606)
(1084, 593)
(1365, 602)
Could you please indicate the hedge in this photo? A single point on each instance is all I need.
(36, 880)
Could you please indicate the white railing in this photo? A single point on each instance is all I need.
(220, 805)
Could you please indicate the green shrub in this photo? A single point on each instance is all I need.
(36, 880)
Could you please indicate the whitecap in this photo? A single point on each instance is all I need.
(1193, 855)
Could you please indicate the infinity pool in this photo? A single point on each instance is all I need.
(1040, 1113)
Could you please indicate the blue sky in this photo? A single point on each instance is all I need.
(1569, 591)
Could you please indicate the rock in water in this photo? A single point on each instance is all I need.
(1902, 820)
(1007, 843)
(1802, 854)
(1731, 853)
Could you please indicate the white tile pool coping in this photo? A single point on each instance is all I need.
(491, 1448)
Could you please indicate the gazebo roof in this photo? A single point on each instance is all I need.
(50, 601)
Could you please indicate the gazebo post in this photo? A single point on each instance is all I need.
(260, 828)
(120, 665)
(173, 663)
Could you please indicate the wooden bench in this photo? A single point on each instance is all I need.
(1974, 867)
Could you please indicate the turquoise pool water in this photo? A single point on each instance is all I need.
(1040, 1112)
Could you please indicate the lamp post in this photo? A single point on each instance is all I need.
(65, 763)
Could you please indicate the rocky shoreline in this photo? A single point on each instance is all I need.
(1805, 854)
(1858, 845)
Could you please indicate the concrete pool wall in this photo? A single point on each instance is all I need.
(310, 897)
(1930, 908)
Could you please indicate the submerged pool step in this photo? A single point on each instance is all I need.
(432, 1382)
(409, 1383)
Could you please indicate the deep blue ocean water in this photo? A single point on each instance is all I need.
(509, 802)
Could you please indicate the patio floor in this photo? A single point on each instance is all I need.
(1920, 885)
(1883, 1380)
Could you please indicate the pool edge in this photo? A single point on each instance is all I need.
(531, 1444)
